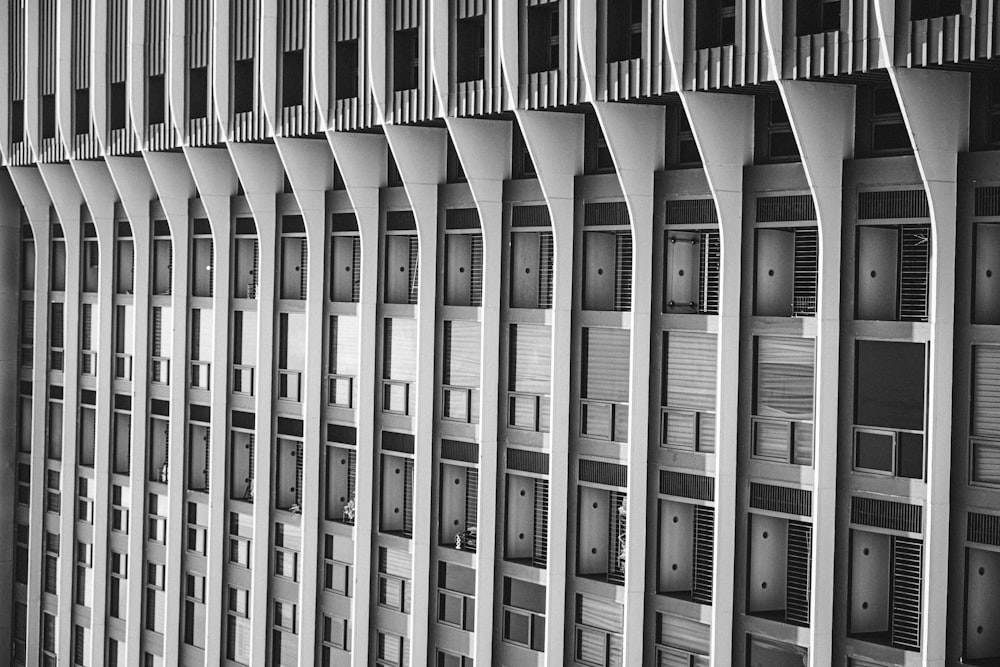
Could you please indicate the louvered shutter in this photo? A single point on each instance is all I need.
(531, 358)
(606, 366)
(400, 352)
(691, 371)
(461, 358)
(986, 391)
(785, 377)
(685, 634)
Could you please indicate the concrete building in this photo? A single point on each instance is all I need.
(500, 332)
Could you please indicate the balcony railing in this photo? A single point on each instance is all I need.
(604, 420)
(200, 374)
(243, 379)
(340, 390)
(396, 397)
(123, 366)
(159, 373)
(289, 385)
(529, 412)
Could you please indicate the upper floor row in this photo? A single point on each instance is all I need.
(86, 78)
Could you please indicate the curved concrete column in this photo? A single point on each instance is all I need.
(484, 149)
(362, 160)
(555, 143)
(420, 156)
(215, 180)
(174, 187)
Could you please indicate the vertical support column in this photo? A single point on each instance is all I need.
(636, 143)
(420, 156)
(822, 120)
(37, 204)
(10, 302)
(484, 149)
(309, 166)
(723, 130)
(173, 185)
(935, 106)
(362, 161)
(555, 142)
(67, 200)
(213, 175)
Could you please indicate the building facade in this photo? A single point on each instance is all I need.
(500, 332)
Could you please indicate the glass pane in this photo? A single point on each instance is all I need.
(771, 441)
(873, 451)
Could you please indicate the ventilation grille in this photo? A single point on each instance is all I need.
(530, 216)
(684, 485)
(889, 204)
(782, 499)
(799, 565)
(617, 536)
(397, 442)
(303, 270)
(456, 450)
(461, 218)
(414, 263)
(709, 265)
(540, 524)
(623, 271)
(545, 254)
(600, 472)
(691, 212)
(408, 498)
(528, 461)
(605, 213)
(806, 271)
(400, 221)
(988, 202)
(886, 514)
(907, 557)
(476, 277)
(704, 554)
(914, 272)
(984, 529)
(787, 208)
(356, 273)
(471, 504)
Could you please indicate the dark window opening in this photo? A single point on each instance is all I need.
(523, 166)
(292, 78)
(48, 116)
(116, 110)
(817, 16)
(81, 111)
(890, 384)
(775, 140)
(17, 121)
(405, 59)
(715, 23)
(929, 9)
(456, 174)
(198, 92)
(347, 69)
(156, 99)
(243, 85)
(623, 30)
(597, 156)
(880, 124)
(470, 57)
(543, 38)
(393, 177)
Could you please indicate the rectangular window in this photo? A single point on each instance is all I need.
(244, 85)
(48, 116)
(292, 78)
(460, 372)
(117, 106)
(688, 393)
(783, 400)
(81, 111)
(623, 30)
(543, 37)
(198, 92)
(394, 579)
(523, 619)
(604, 384)
(456, 596)
(529, 368)
(406, 59)
(715, 23)
(338, 554)
(597, 636)
(156, 99)
(346, 69)
(470, 48)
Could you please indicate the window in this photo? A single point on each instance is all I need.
(623, 25)
(292, 78)
(162, 258)
(245, 350)
(460, 372)
(399, 366)
(391, 650)
(49, 638)
(118, 593)
(53, 497)
(783, 400)
(596, 155)
(48, 116)
(284, 645)
(240, 534)
(84, 576)
(238, 637)
(524, 614)
(84, 500)
(470, 49)
(715, 23)
(155, 597)
(346, 55)
(122, 444)
(119, 508)
(244, 85)
(336, 639)
(81, 111)
(405, 59)
(87, 435)
(345, 259)
(81, 645)
(681, 641)
(394, 579)
(543, 37)
(816, 16)
(198, 92)
(156, 99)
(117, 106)
(775, 141)
(688, 393)
(197, 531)
(886, 575)
(16, 121)
(156, 524)
(21, 540)
(775, 653)
(159, 449)
(529, 368)
(880, 122)
(50, 583)
(338, 554)
(287, 543)
(456, 596)
(889, 408)
(929, 9)
(56, 336)
(194, 610)
(984, 442)
(605, 384)
(343, 339)
(597, 638)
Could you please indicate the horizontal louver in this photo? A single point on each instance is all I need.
(684, 485)
(907, 556)
(988, 202)
(397, 442)
(892, 204)
(781, 499)
(704, 554)
(690, 370)
(456, 450)
(886, 514)
(600, 472)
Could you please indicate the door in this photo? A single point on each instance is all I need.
(878, 262)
